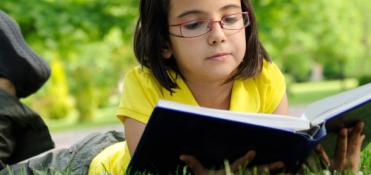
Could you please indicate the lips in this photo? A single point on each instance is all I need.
(219, 56)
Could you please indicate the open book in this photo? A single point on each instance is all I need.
(213, 136)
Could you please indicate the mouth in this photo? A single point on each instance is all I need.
(219, 56)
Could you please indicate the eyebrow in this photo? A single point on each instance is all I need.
(197, 12)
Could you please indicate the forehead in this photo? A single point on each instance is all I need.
(179, 7)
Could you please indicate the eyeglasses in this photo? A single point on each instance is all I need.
(195, 28)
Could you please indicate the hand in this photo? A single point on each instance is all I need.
(199, 169)
(347, 154)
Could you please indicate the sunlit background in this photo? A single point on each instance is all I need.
(322, 46)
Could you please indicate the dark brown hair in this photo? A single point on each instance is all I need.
(152, 36)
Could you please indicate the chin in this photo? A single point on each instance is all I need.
(220, 75)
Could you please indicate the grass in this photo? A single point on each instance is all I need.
(104, 117)
(366, 160)
(312, 166)
(305, 93)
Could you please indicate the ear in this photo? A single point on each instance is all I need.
(167, 52)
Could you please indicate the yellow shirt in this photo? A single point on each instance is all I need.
(141, 92)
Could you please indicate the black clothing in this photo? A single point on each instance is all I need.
(23, 133)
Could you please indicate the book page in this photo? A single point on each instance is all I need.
(324, 109)
(267, 120)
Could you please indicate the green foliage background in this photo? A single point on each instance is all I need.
(89, 44)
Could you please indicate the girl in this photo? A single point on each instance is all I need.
(204, 53)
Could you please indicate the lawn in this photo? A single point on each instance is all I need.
(104, 117)
(305, 93)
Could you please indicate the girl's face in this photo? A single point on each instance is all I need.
(213, 56)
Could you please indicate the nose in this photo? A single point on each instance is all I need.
(216, 35)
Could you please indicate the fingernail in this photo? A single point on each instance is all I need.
(343, 132)
(361, 124)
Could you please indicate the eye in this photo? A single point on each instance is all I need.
(231, 19)
(193, 25)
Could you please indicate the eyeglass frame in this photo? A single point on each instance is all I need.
(246, 13)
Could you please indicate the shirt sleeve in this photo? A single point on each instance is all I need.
(272, 87)
(139, 96)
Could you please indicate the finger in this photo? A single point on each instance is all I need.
(355, 139)
(354, 157)
(357, 131)
(193, 164)
(358, 128)
(341, 150)
(354, 146)
(271, 167)
(322, 153)
(243, 161)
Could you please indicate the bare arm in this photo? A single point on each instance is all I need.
(282, 108)
(133, 132)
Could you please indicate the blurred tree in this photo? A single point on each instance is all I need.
(299, 33)
(363, 66)
(54, 102)
(92, 39)
(90, 36)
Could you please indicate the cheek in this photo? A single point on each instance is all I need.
(239, 43)
(242, 49)
(186, 48)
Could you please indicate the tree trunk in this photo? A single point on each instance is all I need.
(316, 72)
